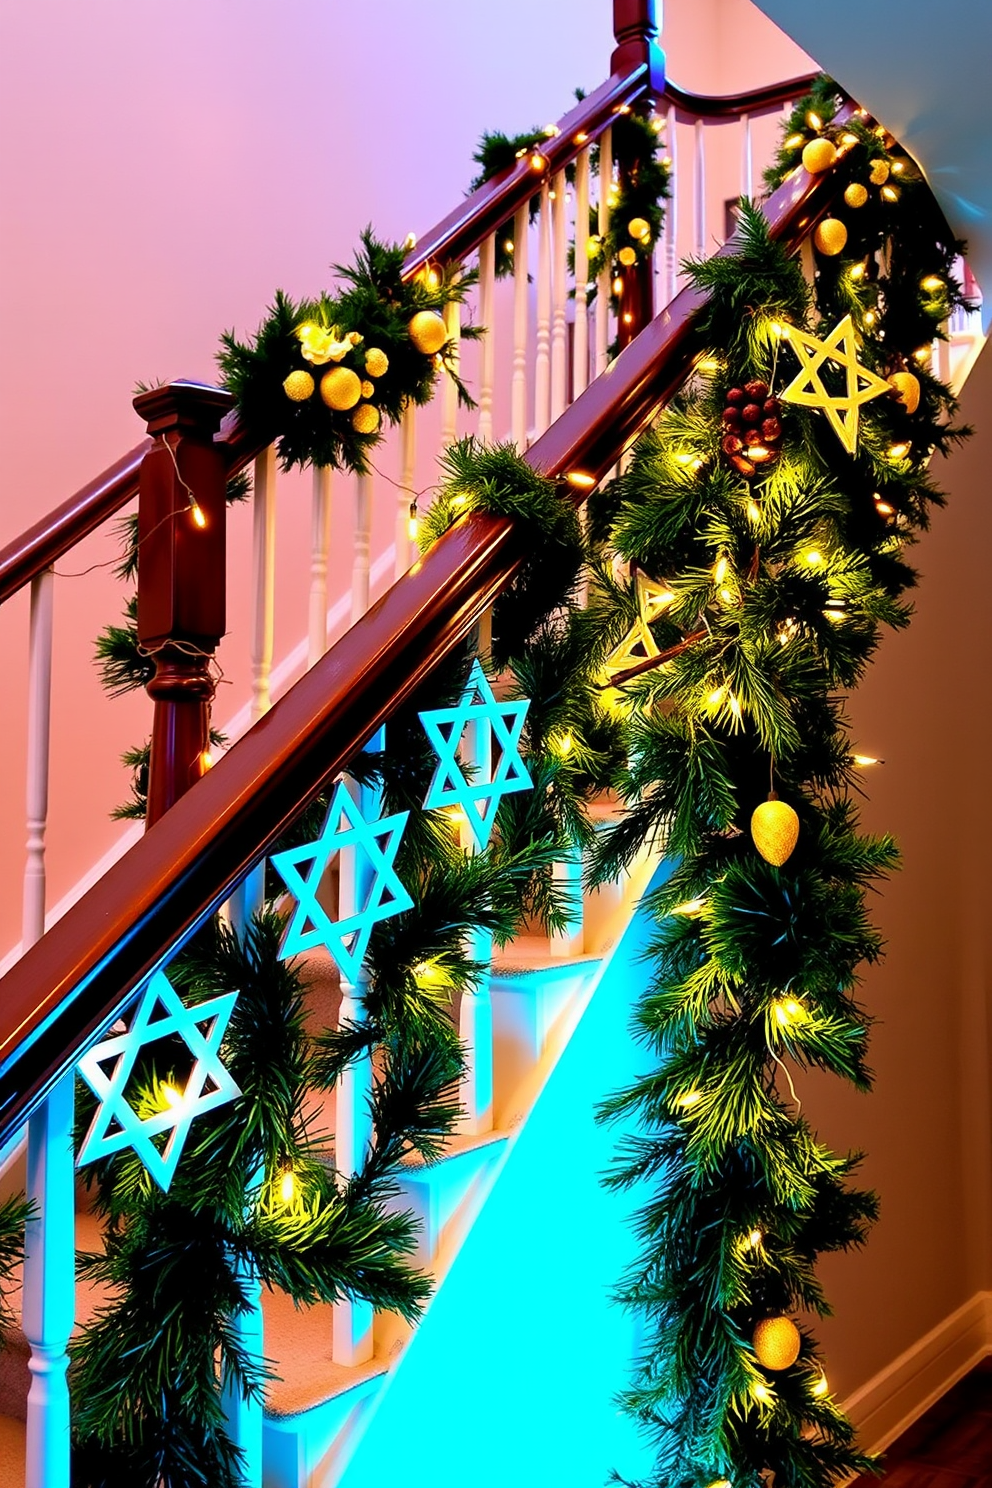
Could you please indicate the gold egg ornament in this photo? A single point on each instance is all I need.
(298, 386)
(776, 1342)
(427, 331)
(819, 155)
(376, 362)
(365, 419)
(855, 195)
(830, 236)
(774, 830)
(341, 388)
(907, 390)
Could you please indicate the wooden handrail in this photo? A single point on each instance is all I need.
(74, 982)
(732, 105)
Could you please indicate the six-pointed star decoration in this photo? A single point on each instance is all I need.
(380, 892)
(108, 1066)
(498, 768)
(639, 644)
(861, 385)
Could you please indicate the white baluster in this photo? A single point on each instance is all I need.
(246, 1418)
(542, 360)
(559, 299)
(352, 1340)
(449, 389)
(263, 594)
(363, 538)
(39, 729)
(521, 303)
(408, 491)
(475, 1017)
(567, 876)
(487, 345)
(671, 209)
(580, 349)
(603, 278)
(320, 541)
(48, 1302)
(747, 157)
(699, 188)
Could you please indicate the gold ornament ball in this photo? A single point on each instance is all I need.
(830, 236)
(298, 386)
(638, 227)
(775, 830)
(627, 256)
(376, 362)
(368, 388)
(341, 388)
(856, 195)
(365, 419)
(776, 1342)
(819, 155)
(427, 331)
(879, 172)
(907, 390)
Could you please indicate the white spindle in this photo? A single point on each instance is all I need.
(449, 388)
(747, 157)
(603, 279)
(559, 299)
(699, 188)
(521, 302)
(246, 1418)
(39, 730)
(487, 345)
(567, 876)
(263, 592)
(475, 1015)
(352, 1341)
(48, 1300)
(542, 359)
(407, 492)
(362, 540)
(671, 209)
(320, 541)
(580, 349)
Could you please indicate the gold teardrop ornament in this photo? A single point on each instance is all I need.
(774, 830)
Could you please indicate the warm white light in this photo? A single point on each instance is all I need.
(794, 141)
(689, 908)
(812, 558)
(508, 246)
(690, 1099)
(460, 500)
(171, 1095)
(864, 760)
(899, 451)
(813, 120)
(581, 479)
(197, 513)
(287, 1186)
(932, 283)
(537, 161)
(720, 570)
(820, 1388)
(762, 1393)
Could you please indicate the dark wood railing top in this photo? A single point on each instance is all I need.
(733, 105)
(75, 980)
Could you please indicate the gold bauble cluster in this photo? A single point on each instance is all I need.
(365, 419)
(299, 386)
(855, 195)
(775, 830)
(376, 362)
(776, 1342)
(427, 332)
(341, 388)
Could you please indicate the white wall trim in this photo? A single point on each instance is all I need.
(889, 1403)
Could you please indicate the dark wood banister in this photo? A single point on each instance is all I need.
(74, 982)
(460, 232)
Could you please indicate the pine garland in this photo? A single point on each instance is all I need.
(775, 589)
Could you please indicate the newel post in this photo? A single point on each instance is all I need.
(181, 577)
(635, 27)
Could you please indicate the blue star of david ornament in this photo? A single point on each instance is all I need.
(108, 1066)
(380, 891)
(498, 768)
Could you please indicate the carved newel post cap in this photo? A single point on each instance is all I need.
(184, 405)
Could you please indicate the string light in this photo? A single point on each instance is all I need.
(197, 513)
(890, 193)
(717, 696)
(171, 1095)
(734, 705)
(864, 760)
(618, 286)
(754, 1239)
(720, 570)
(753, 510)
(412, 522)
(899, 451)
(849, 140)
(582, 479)
(932, 283)
(689, 908)
(581, 137)
(562, 743)
(690, 1099)
(761, 1392)
(794, 141)
(813, 120)
(410, 241)
(460, 500)
(787, 1010)
(287, 1186)
(206, 760)
(858, 271)
(812, 557)
(708, 364)
(870, 317)
(922, 353)
(820, 1387)
(537, 161)
(508, 246)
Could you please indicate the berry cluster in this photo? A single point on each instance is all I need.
(752, 428)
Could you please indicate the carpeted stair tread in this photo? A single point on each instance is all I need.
(298, 1345)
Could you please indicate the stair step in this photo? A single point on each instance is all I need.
(298, 1344)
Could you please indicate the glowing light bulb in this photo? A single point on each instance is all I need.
(410, 241)
(870, 317)
(689, 908)
(433, 279)
(898, 166)
(287, 1186)
(754, 1238)
(720, 570)
(197, 513)
(206, 760)
(762, 1393)
(628, 318)
(412, 527)
(708, 364)
(820, 1388)
(899, 451)
(727, 596)
(623, 109)
(734, 705)
(932, 283)
(812, 558)
(690, 1099)
(581, 137)
(618, 286)
(754, 510)
(460, 500)
(779, 328)
(550, 131)
(581, 479)
(859, 271)
(864, 760)
(884, 509)
(849, 139)
(794, 141)
(537, 161)
(922, 354)
(564, 743)
(456, 816)
(508, 246)
(171, 1095)
(717, 696)
(890, 193)
(813, 120)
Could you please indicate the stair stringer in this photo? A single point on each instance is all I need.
(511, 1377)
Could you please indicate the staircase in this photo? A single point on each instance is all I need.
(514, 1224)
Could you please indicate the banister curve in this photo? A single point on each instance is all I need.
(74, 981)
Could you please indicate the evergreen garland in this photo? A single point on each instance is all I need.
(775, 588)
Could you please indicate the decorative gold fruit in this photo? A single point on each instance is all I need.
(627, 256)
(298, 386)
(365, 419)
(819, 155)
(907, 390)
(775, 830)
(427, 331)
(856, 195)
(776, 1342)
(376, 362)
(341, 388)
(830, 236)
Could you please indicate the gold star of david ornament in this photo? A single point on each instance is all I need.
(841, 348)
(638, 644)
